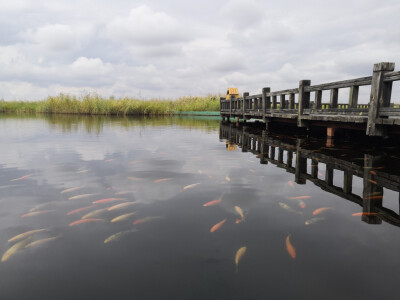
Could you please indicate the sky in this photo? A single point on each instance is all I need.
(168, 49)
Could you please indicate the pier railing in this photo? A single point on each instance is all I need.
(296, 103)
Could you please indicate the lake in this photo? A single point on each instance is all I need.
(193, 208)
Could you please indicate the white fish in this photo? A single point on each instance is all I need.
(15, 248)
(94, 213)
(191, 186)
(82, 196)
(71, 189)
(287, 207)
(314, 220)
(117, 236)
(123, 217)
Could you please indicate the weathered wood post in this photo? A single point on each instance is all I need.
(380, 96)
(291, 101)
(245, 94)
(329, 174)
(274, 102)
(314, 168)
(304, 101)
(347, 182)
(289, 160)
(318, 99)
(264, 92)
(353, 96)
(301, 165)
(334, 97)
(280, 155)
(371, 191)
(282, 101)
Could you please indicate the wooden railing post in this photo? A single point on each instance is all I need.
(264, 98)
(282, 101)
(353, 96)
(245, 94)
(318, 99)
(304, 101)
(334, 97)
(379, 94)
(274, 102)
(291, 101)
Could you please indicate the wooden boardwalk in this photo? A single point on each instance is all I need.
(378, 118)
(294, 156)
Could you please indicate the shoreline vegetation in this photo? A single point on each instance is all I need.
(97, 105)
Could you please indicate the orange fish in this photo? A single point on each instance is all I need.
(214, 202)
(107, 200)
(237, 221)
(217, 226)
(38, 212)
(379, 168)
(161, 180)
(320, 210)
(302, 204)
(289, 247)
(372, 181)
(298, 197)
(373, 172)
(320, 174)
(85, 221)
(79, 210)
(290, 182)
(23, 177)
(364, 214)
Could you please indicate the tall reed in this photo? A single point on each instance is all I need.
(96, 105)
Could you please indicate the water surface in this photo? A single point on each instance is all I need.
(170, 168)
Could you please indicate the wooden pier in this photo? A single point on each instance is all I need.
(294, 156)
(379, 117)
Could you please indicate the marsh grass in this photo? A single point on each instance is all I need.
(97, 105)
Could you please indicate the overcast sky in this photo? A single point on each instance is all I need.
(166, 49)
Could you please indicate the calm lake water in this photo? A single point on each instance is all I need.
(251, 243)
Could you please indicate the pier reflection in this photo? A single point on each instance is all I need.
(310, 160)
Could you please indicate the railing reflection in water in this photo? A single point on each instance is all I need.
(292, 154)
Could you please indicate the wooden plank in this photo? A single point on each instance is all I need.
(392, 76)
(285, 92)
(340, 84)
(377, 92)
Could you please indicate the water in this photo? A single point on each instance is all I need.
(171, 167)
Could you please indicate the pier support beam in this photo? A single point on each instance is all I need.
(304, 102)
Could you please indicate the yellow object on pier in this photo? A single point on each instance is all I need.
(232, 93)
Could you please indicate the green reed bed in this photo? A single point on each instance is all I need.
(96, 105)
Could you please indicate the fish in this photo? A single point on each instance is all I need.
(191, 186)
(82, 196)
(287, 207)
(364, 214)
(314, 220)
(82, 171)
(320, 210)
(134, 178)
(162, 180)
(117, 236)
(85, 221)
(373, 172)
(71, 189)
(239, 255)
(217, 226)
(41, 241)
(79, 210)
(320, 174)
(37, 207)
(239, 211)
(23, 177)
(227, 178)
(237, 221)
(109, 160)
(123, 217)
(122, 205)
(105, 200)
(200, 171)
(15, 248)
(94, 213)
(289, 247)
(214, 202)
(300, 202)
(133, 162)
(290, 182)
(298, 197)
(26, 234)
(124, 193)
(39, 212)
(146, 219)
(252, 171)
(372, 181)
